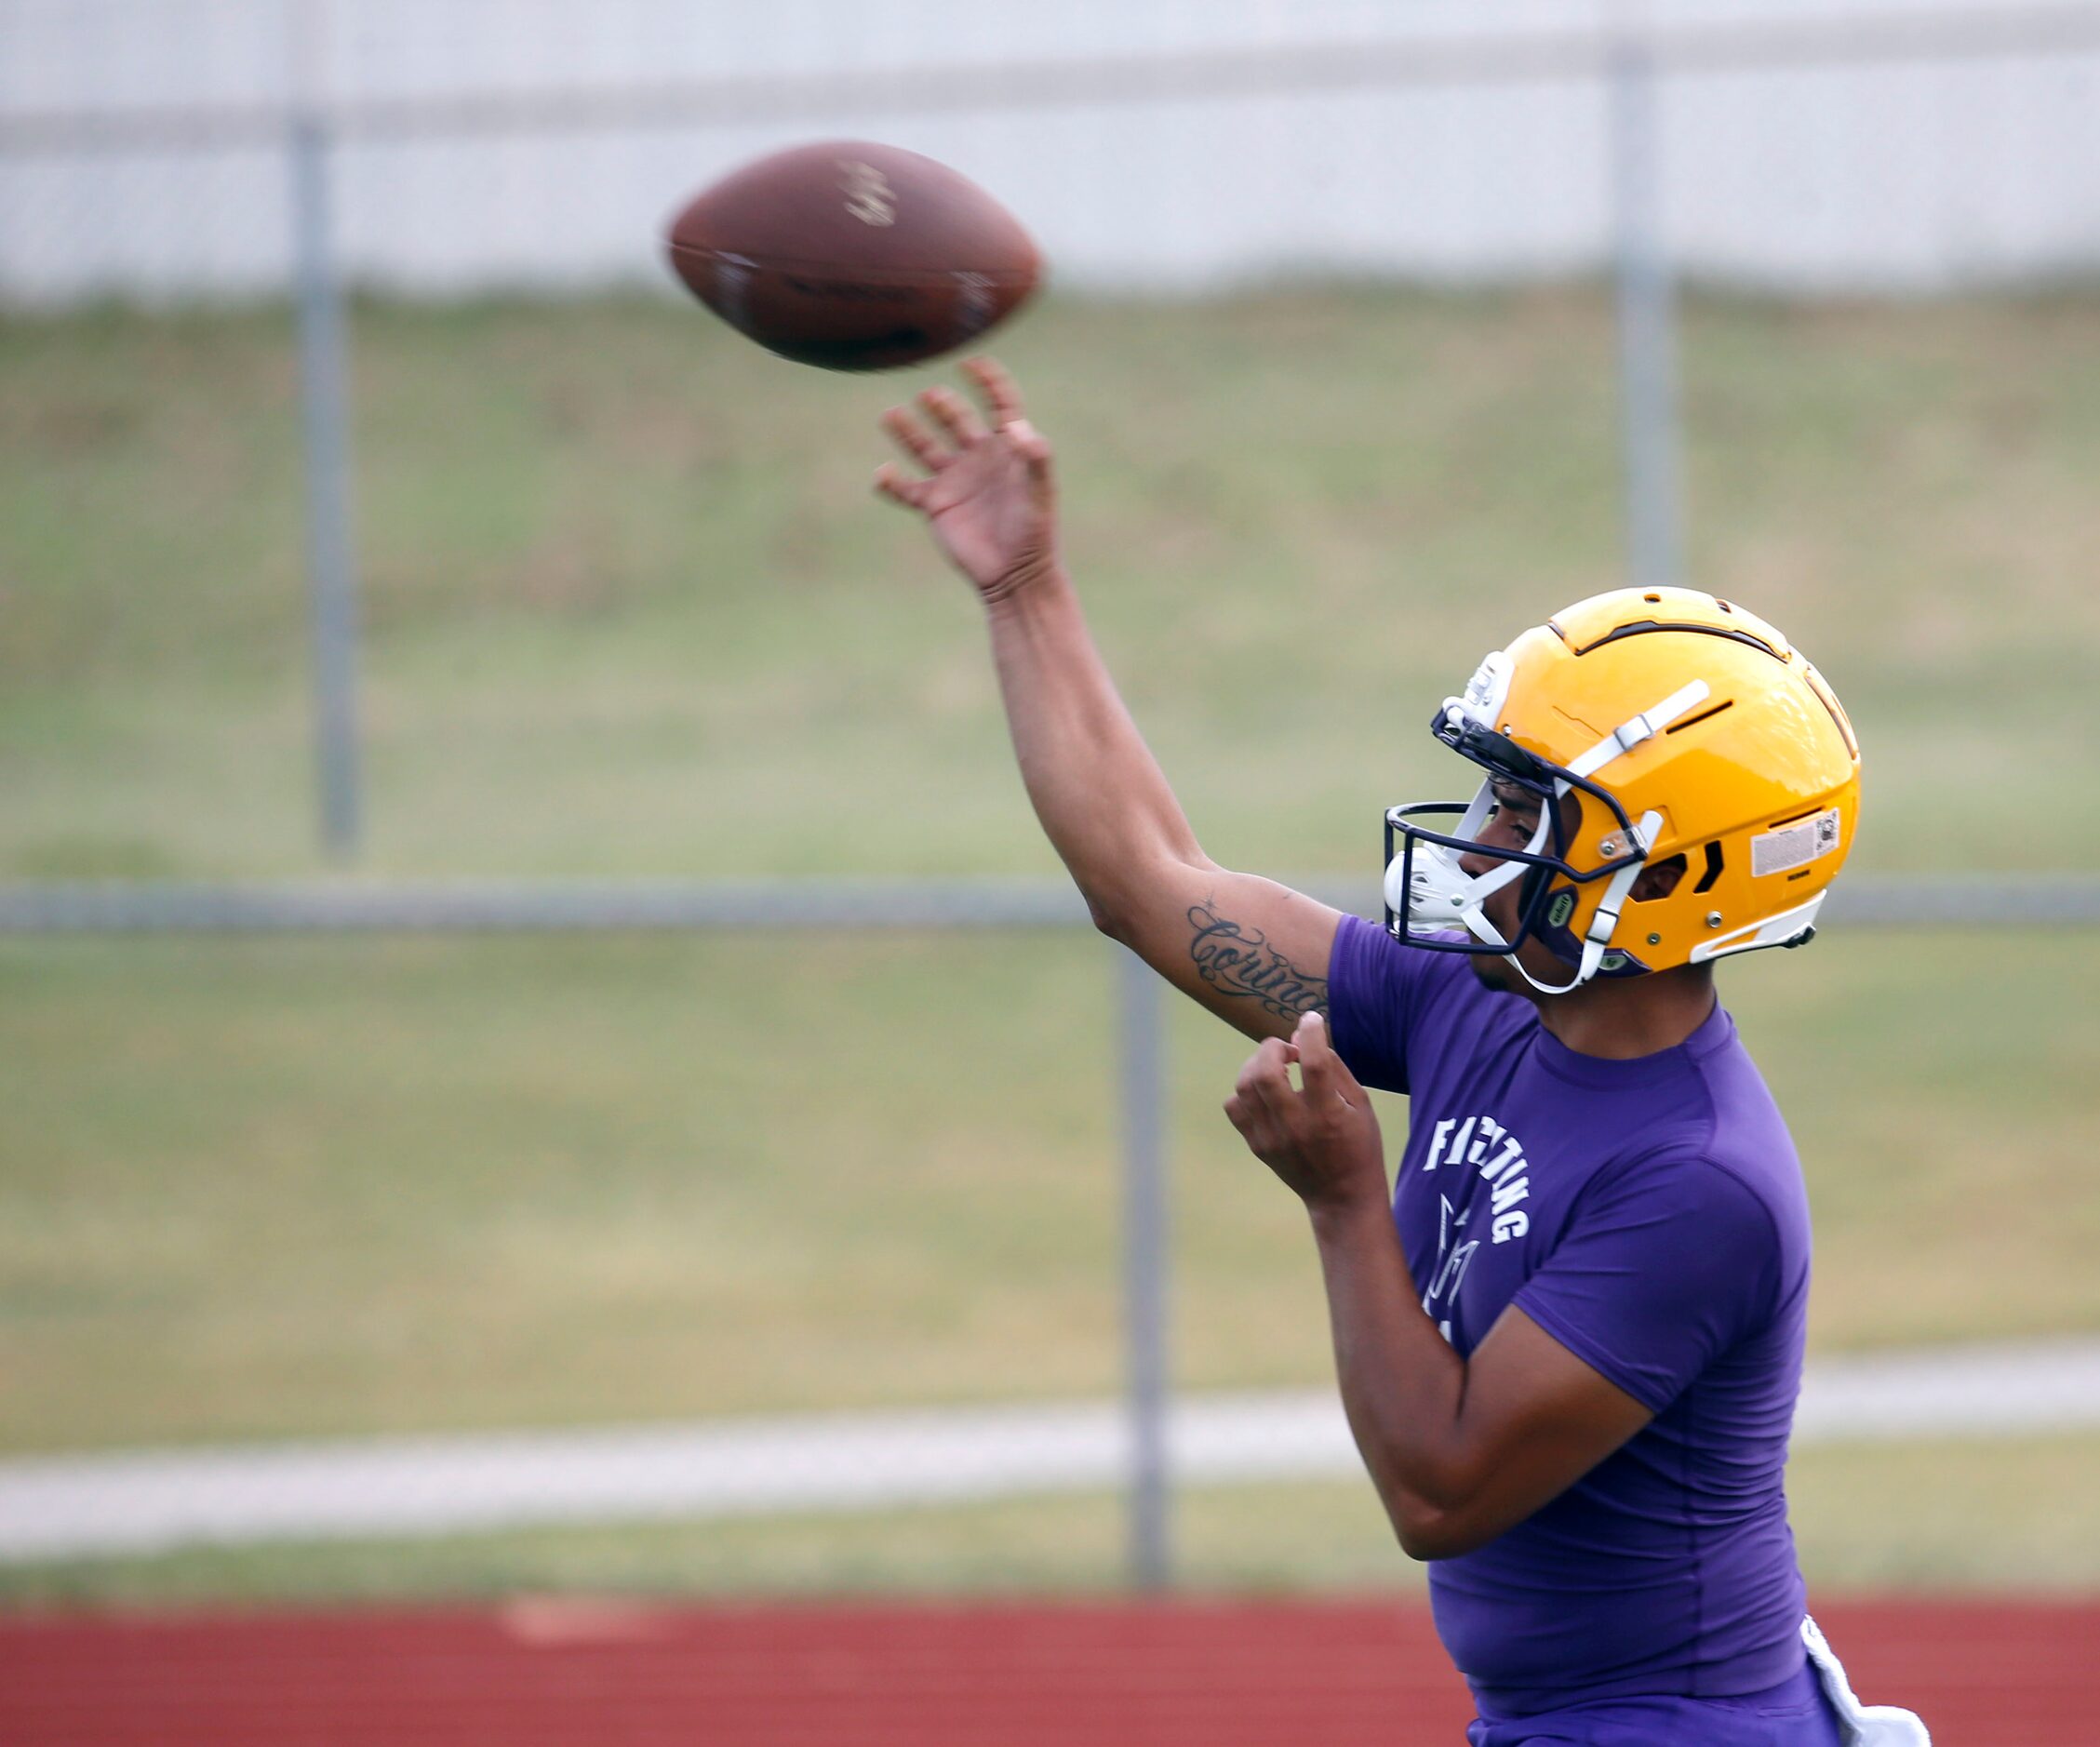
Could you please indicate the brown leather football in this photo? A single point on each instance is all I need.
(853, 256)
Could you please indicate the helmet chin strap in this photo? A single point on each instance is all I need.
(1597, 938)
(1645, 725)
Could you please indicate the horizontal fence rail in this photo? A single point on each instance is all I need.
(539, 906)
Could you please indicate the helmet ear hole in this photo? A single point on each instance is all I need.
(1712, 868)
(1658, 879)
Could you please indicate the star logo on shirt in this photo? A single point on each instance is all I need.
(1451, 1260)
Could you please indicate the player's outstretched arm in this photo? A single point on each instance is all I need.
(1253, 952)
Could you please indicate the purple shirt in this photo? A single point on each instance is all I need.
(1650, 1216)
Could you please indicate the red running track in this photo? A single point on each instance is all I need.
(1223, 1673)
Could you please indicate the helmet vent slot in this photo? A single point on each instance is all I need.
(1713, 868)
(1692, 721)
(1643, 625)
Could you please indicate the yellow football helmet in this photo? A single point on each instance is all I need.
(1652, 724)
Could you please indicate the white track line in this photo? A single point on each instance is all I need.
(99, 1505)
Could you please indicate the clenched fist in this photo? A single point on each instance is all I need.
(1321, 1136)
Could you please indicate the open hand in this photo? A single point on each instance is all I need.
(1321, 1138)
(986, 493)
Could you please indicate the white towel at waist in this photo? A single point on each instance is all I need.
(1865, 1725)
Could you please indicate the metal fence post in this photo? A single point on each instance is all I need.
(1648, 420)
(1144, 1267)
(331, 577)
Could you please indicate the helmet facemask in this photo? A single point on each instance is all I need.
(1429, 896)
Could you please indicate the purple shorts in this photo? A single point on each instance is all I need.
(1793, 1713)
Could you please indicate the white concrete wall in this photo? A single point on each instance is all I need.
(1912, 177)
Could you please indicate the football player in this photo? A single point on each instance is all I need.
(1570, 1339)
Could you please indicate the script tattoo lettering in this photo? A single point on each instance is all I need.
(1241, 961)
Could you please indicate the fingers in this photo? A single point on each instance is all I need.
(1244, 1089)
(997, 387)
(1029, 444)
(1264, 1081)
(1316, 1060)
(954, 415)
(1255, 1123)
(890, 483)
(1007, 418)
(915, 440)
(965, 428)
(1270, 1062)
(1326, 1075)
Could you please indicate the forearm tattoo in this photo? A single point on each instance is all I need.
(1240, 961)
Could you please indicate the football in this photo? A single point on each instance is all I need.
(853, 256)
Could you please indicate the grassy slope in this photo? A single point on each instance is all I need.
(631, 612)
(267, 1188)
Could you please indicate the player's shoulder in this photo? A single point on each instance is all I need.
(1372, 963)
(1681, 1165)
(1404, 1017)
(1728, 1195)
(1703, 1100)
(1741, 1131)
